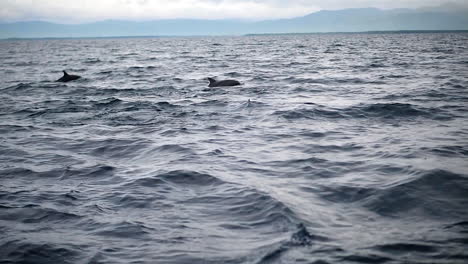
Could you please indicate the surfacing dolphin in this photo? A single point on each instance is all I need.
(214, 83)
(68, 77)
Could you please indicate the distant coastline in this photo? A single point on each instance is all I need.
(344, 21)
(366, 32)
(251, 35)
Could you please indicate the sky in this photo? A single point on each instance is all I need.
(82, 11)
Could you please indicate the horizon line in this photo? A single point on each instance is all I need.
(251, 35)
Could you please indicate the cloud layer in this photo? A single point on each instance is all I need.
(69, 11)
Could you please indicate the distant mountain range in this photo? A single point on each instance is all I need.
(346, 20)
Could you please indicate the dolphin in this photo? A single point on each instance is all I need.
(214, 83)
(68, 77)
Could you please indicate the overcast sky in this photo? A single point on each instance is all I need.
(78, 11)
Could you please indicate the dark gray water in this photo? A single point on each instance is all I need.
(336, 149)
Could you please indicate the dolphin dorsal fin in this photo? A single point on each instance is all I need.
(211, 80)
(65, 73)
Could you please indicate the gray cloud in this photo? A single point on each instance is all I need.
(67, 11)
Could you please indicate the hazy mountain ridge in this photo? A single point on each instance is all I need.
(346, 20)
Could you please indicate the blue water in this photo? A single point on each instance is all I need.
(335, 149)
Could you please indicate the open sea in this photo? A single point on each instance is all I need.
(336, 148)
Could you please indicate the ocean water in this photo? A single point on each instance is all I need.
(346, 148)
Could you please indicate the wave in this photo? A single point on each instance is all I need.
(436, 193)
(177, 177)
(92, 61)
(378, 110)
(422, 251)
(4, 129)
(114, 148)
(346, 194)
(406, 247)
(462, 224)
(396, 111)
(331, 81)
(107, 102)
(94, 172)
(220, 201)
(19, 86)
(309, 114)
(35, 214)
(124, 229)
(25, 251)
(366, 258)
(29, 173)
(448, 151)
(211, 103)
(110, 110)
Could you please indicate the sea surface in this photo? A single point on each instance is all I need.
(336, 148)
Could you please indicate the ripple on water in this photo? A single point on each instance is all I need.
(436, 193)
(23, 251)
(382, 111)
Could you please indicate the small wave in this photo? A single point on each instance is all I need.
(95, 172)
(24, 251)
(135, 68)
(234, 74)
(92, 61)
(423, 252)
(305, 113)
(117, 148)
(221, 201)
(110, 91)
(377, 65)
(61, 173)
(368, 258)
(141, 201)
(395, 76)
(289, 162)
(24, 63)
(310, 134)
(190, 178)
(211, 103)
(406, 247)
(150, 59)
(125, 229)
(164, 104)
(448, 151)
(14, 128)
(379, 110)
(179, 177)
(172, 148)
(463, 224)
(394, 110)
(106, 72)
(346, 194)
(33, 214)
(107, 102)
(436, 193)
(19, 86)
(29, 173)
